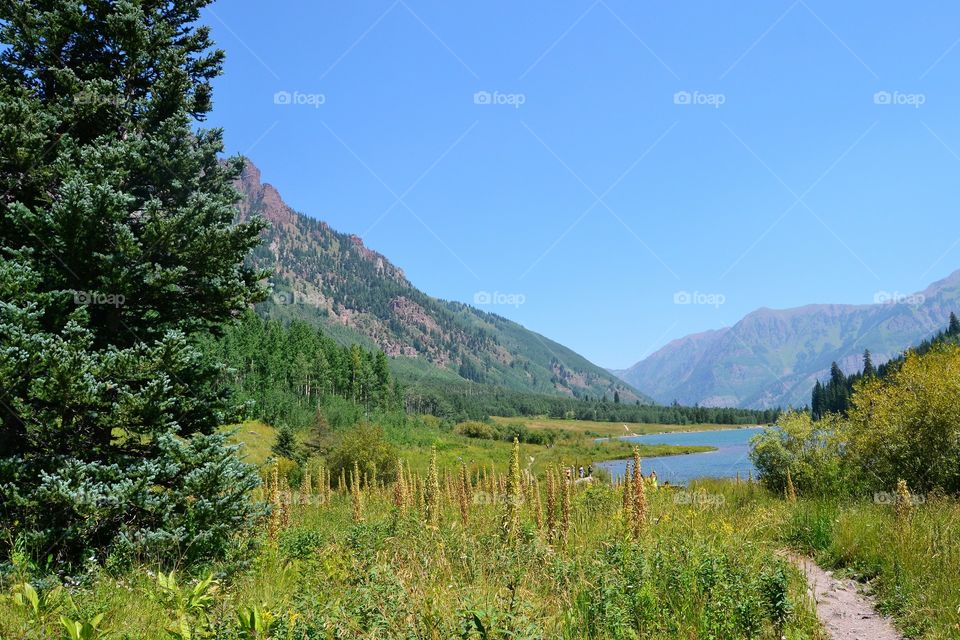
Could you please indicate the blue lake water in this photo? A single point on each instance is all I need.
(731, 456)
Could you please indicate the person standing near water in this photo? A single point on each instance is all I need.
(653, 479)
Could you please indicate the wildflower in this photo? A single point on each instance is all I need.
(514, 492)
(639, 497)
(432, 497)
(400, 490)
(464, 493)
(551, 504)
(904, 505)
(356, 494)
(791, 491)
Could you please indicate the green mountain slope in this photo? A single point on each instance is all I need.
(773, 357)
(332, 279)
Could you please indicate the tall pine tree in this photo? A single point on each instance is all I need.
(117, 249)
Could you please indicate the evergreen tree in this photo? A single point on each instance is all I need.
(817, 401)
(869, 370)
(117, 249)
(285, 445)
(954, 327)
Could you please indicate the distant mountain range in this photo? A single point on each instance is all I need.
(333, 280)
(773, 357)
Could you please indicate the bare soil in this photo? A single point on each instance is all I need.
(845, 611)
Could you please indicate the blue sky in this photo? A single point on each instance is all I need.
(597, 159)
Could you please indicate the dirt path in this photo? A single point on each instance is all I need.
(846, 613)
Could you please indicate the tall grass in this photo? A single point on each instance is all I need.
(911, 560)
(437, 557)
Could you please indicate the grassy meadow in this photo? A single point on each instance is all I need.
(573, 445)
(607, 429)
(474, 542)
(451, 562)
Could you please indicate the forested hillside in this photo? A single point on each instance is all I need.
(333, 280)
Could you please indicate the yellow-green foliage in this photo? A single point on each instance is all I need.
(913, 562)
(705, 570)
(594, 427)
(906, 427)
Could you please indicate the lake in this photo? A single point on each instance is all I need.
(731, 456)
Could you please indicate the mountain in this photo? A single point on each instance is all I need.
(773, 357)
(356, 294)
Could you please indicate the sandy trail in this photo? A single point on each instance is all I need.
(845, 612)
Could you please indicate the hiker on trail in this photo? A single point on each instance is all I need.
(590, 470)
(653, 479)
(581, 471)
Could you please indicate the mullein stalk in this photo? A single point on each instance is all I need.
(464, 494)
(356, 494)
(537, 505)
(306, 487)
(433, 492)
(565, 516)
(514, 494)
(400, 490)
(639, 497)
(273, 496)
(904, 505)
(627, 497)
(551, 504)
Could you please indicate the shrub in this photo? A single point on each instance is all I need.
(906, 426)
(809, 451)
(366, 447)
(480, 430)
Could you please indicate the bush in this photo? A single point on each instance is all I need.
(906, 426)
(479, 430)
(366, 446)
(809, 450)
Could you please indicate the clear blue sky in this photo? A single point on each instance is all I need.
(600, 197)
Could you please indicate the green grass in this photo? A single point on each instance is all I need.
(912, 564)
(256, 437)
(572, 448)
(610, 429)
(707, 566)
(702, 569)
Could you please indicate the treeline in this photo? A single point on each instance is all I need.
(835, 395)
(465, 401)
(286, 371)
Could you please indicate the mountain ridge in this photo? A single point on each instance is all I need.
(334, 280)
(772, 357)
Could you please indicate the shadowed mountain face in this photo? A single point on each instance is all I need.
(773, 357)
(356, 294)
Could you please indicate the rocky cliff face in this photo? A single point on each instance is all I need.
(773, 357)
